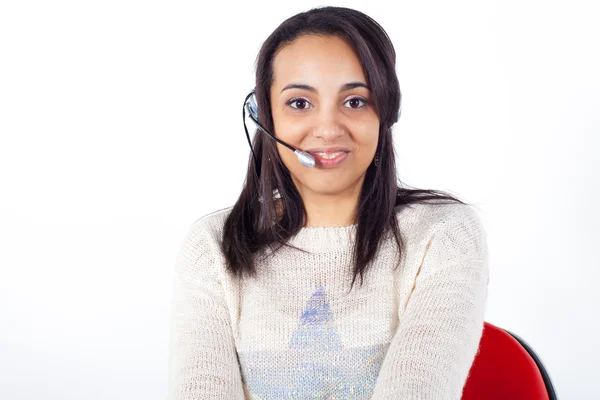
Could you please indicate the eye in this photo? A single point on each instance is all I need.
(358, 99)
(296, 101)
(354, 100)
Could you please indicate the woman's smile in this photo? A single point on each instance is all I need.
(330, 159)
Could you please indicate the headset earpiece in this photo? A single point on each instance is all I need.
(252, 106)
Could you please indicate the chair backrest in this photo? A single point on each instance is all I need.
(505, 367)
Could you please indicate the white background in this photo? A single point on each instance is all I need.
(121, 124)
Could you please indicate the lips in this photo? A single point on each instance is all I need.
(331, 149)
(330, 155)
(329, 159)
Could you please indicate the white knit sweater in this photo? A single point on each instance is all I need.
(297, 332)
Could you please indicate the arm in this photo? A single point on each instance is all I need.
(438, 334)
(203, 361)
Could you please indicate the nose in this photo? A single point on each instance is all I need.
(328, 125)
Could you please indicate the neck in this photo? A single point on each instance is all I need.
(330, 210)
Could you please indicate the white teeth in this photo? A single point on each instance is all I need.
(329, 156)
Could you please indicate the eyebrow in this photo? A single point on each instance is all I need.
(347, 86)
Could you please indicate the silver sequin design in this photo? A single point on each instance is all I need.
(317, 365)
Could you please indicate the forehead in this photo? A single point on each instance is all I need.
(316, 59)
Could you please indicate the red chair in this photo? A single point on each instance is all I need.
(506, 368)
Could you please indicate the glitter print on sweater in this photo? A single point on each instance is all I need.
(317, 365)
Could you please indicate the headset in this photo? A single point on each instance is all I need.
(305, 158)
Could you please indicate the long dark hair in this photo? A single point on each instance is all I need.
(257, 221)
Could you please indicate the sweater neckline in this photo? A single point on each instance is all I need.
(324, 238)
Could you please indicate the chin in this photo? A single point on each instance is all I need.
(329, 188)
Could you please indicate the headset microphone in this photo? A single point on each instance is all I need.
(305, 158)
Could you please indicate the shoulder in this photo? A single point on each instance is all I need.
(453, 227)
(200, 248)
(211, 224)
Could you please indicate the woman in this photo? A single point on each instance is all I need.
(265, 304)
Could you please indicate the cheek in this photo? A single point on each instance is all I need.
(287, 156)
(363, 158)
(287, 131)
(292, 135)
(367, 144)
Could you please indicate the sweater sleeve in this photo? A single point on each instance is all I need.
(203, 361)
(439, 331)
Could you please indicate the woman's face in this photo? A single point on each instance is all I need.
(329, 115)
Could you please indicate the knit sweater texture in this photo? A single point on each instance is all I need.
(296, 331)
